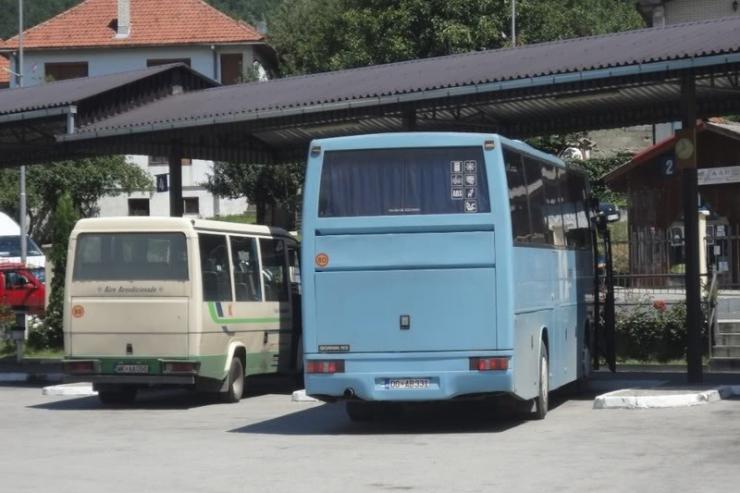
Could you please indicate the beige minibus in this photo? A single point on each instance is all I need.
(170, 301)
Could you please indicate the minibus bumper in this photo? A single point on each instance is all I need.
(440, 377)
(120, 371)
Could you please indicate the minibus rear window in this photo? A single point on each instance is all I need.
(131, 257)
(392, 182)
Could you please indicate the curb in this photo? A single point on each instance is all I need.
(70, 389)
(663, 398)
(300, 396)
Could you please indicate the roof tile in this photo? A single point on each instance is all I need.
(153, 23)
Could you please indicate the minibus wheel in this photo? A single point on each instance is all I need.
(541, 402)
(236, 382)
(119, 396)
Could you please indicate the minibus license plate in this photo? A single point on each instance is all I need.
(125, 368)
(406, 383)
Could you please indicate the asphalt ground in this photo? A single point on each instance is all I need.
(175, 441)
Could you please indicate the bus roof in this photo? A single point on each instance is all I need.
(110, 224)
(429, 139)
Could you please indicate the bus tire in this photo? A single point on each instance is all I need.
(235, 387)
(360, 411)
(120, 396)
(541, 402)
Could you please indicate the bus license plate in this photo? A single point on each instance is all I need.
(121, 368)
(406, 383)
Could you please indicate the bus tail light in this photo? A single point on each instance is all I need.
(325, 366)
(78, 367)
(489, 364)
(180, 367)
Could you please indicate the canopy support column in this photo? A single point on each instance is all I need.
(175, 168)
(690, 189)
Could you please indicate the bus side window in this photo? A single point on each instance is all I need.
(578, 231)
(517, 196)
(214, 264)
(274, 272)
(536, 198)
(554, 198)
(246, 269)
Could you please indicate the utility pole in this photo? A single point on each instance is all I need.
(513, 23)
(19, 70)
(20, 317)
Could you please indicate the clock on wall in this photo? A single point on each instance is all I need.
(684, 148)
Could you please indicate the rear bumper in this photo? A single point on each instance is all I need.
(366, 377)
(144, 380)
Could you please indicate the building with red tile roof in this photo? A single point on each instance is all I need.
(95, 24)
(102, 37)
(4, 72)
(98, 37)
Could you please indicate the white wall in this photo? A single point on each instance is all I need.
(104, 61)
(193, 175)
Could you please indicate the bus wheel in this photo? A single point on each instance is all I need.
(541, 401)
(119, 396)
(236, 382)
(360, 411)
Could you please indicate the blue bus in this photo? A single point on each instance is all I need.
(441, 266)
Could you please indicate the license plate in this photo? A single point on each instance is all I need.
(407, 383)
(132, 368)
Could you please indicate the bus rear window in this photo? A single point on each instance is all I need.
(131, 256)
(392, 182)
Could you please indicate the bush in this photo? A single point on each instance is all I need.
(654, 332)
(7, 319)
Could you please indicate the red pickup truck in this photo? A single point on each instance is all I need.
(19, 288)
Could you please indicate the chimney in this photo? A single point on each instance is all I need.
(124, 19)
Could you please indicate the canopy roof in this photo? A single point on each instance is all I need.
(585, 83)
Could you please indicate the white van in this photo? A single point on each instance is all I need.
(172, 301)
(10, 247)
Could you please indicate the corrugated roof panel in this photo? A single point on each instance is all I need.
(580, 54)
(71, 91)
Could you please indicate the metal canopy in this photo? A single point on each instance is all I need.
(596, 82)
(31, 118)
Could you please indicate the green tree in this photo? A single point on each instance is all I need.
(34, 12)
(49, 334)
(86, 180)
(274, 189)
(320, 35)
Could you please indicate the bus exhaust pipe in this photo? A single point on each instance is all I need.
(349, 393)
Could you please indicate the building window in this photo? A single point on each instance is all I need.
(232, 68)
(138, 207)
(63, 71)
(191, 205)
(155, 62)
(165, 161)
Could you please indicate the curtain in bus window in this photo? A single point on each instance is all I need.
(382, 182)
(131, 256)
(554, 233)
(537, 203)
(517, 196)
(245, 263)
(215, 270)
(274, 272)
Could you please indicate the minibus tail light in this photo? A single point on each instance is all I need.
(78, 367)
(489, 364)
(180, 367)
(325, 366)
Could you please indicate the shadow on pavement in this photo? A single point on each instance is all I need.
(425, 418)
(169, 398)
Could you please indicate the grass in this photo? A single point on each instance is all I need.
(8, 350)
